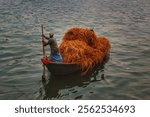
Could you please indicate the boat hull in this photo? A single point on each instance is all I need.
(63, 69)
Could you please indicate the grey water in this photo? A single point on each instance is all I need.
(126, 23)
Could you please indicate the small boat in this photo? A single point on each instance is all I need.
(60, 68)
(82, 52)
(63, 69)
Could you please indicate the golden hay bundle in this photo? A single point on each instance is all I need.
(80, 53)
(83, 47)
(82, 34)
(103, 44)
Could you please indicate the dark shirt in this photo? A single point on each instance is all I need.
(53, 45)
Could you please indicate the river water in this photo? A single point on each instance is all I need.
(125, 22)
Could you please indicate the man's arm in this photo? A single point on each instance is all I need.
(45, 37)
(45, 44)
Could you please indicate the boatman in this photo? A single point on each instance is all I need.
(55, 55)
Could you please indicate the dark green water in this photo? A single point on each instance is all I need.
(125, 22)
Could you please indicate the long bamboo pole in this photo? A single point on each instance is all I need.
(43, 76)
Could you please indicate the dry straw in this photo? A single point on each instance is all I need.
(83, 47)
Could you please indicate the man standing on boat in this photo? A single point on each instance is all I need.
(55, 55)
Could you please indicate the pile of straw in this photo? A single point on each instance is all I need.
(83, 47)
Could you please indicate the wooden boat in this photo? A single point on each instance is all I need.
(59, 68)
(63, 69)
(82, 51)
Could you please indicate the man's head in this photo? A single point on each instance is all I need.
(51, 34)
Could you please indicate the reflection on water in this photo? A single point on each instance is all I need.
(54, 84)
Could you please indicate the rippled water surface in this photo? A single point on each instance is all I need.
(125, 22)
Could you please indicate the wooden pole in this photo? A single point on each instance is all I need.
(43, 76)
